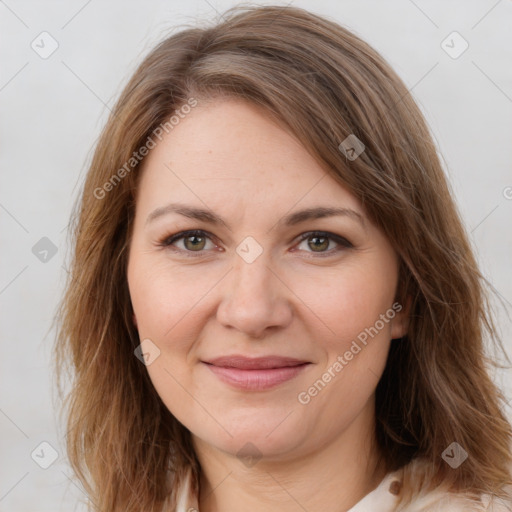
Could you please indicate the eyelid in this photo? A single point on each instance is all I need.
(342, 242)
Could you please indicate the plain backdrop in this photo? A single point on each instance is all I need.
(52, 110)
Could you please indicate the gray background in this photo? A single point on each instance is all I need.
(53, 109)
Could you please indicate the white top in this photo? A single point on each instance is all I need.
(382, 499)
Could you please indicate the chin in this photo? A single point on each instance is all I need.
(262, 436)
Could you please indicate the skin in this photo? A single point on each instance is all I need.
(302, 299)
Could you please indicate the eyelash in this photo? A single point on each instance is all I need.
(169, 240)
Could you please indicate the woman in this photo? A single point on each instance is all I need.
(273, 304)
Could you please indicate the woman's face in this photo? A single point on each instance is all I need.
(252, 334)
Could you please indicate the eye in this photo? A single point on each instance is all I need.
(192, 241)
(320, 241)
(195, 242)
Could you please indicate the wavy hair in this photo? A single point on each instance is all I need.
(324, 84)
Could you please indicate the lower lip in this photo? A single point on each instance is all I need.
(256, 380)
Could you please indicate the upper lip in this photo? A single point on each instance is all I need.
(254, 363)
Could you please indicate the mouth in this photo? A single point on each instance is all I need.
(256, 374)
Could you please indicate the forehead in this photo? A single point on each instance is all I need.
(231, 150)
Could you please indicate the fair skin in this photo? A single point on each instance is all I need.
(305, 299)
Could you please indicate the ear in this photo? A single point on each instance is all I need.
(400, 322)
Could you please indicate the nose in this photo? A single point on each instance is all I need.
(254, 299)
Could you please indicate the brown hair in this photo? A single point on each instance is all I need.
(324, 84)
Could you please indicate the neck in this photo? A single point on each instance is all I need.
(334, 476)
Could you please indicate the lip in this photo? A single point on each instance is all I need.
(255, 373)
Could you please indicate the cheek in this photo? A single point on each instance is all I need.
(167, 304)
(349, 300)
(166, 299)
(171, 307)
(353, 306)
(355, 302)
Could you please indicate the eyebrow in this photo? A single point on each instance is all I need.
(291, 219)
